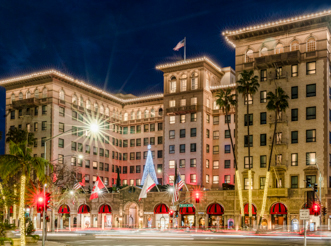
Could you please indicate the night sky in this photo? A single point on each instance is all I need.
(116, 45)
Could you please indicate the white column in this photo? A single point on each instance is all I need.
(103, 221)
(82, 221)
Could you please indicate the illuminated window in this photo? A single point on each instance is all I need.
(264, 51)
(216, 179)
(172, 119)
(249, 56)
(279, 49)
(172, 103)
(193, 178)
(295, 45)
(172, 87)
(194, 101)
(311, 44)
(183, 84)
(182, 102)
(172, 164)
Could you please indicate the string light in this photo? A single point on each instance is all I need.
(250, 192)
(240, 193)
(21, 210)
(264, 201)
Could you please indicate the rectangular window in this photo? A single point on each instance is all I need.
(172, 103)
(249, 99)
(311, 90)
(132, 129)
(294, 137)
(171, 149)
(215, 179)
(207, 148)
(227, 149)
(193, 132)
(172, 88)
(279, 72)
(182, 118)
(44, 109)
(294, 92)
(310, 113)
(294, 114)
(216, 120)
(172, 119)
(139, 129)
(227, 119)
(44, 125)
(263, 118)
(159, 154)
(294, 159)
(216, 164)
(208, 118)
(250, 140)
(193, 178)
(294, 71)
(73, 161)
(262, 183)
(311, 158)
(193, 117)
(263, 139)
(246, 162)
(171, 134)
(95, 150)
(61, 143)
(152, 127)
(101, 166)
(227, 164)
(216, 149)
(152, 141)
(226, 134)
(263, 161)
(182, 102)
(171, 164)
(159, 126)
(207, 179)
(183, 84)
(193, 147)
(263, 96)
(138, 142)
(159, 140)
(125, 170)
(310, 135)
(216, 134)
(138, 169)
(194, 101)
(227, 179)
(182, 133)
(207, 163)
(73, 146)
(61, 111)
(207, 133)
(311, 68)
(182, 163)
(263, 75)
(194, 83)
(193, 162)
(247, 185)
(80, 147)
(294, 182)
(87, 163)
(250, 119)
(146, 128)
(182, 148)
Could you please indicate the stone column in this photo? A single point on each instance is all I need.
(103, 221)
(82, 221)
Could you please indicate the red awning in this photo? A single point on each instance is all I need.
(11, 209)
(104, 209)
(188, 210)
(246, 206)
(64, 209)
(83, 209)
(161, 209)
(215, 209)
(278, 208)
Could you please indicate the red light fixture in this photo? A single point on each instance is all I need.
(197, 197)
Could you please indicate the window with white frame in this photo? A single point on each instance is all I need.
(132, 115)
(146, 112)
(36, 93)
(207, 179)
(194, 101)
(216, 106)
(193, 178)
(294, 45)
(139, 115)
(194, 81)
(152, 113)
(172, 103)
(88, 104)
(183, 84)
(216, 179)
(249, 56)
(279, 48)
(216, 164)
(182, 102)
(172, 119)
(248, 184)
(227, 179)
(311, 44)
(172, 164)
(172, 86)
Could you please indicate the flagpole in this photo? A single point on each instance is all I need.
(184, 48)
(78, 182)
(184, 181)
(103, 184)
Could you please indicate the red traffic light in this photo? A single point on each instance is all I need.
(316, 207)
(197, 197)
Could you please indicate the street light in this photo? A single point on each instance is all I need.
(171, 189)
(94, 127)
(71, 192)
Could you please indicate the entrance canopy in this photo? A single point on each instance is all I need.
(278, 208)
(64, 209)
(104, 209)
(215, 209)
(188, 210)
(246, 207)
(83, 209)
(161, 209)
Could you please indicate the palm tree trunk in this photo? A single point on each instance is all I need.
(21, 213)
(14, 208)
(249, 166)
(237, 172)
(266, 184)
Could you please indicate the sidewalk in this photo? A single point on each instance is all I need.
(48, 243)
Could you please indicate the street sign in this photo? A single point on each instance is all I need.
(148, 212)
(173, 208)
(304, 214)
(201, 212)
(185, 205)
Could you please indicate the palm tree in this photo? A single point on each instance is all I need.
(21, 162)
(226, 100)
(18, 135)
(248, 85)
(278, 103)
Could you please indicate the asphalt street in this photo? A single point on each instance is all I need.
(188, 240)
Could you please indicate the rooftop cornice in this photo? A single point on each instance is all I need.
(190, 61)
(217, 87)
(78, 83)
(231, 35)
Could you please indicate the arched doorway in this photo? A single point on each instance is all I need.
(278, 213)
(131, 215)
(187, 216)
(215, 213)
(161, 213)
(246, 212)
(64, 213)
(105, 216)
(84, 211)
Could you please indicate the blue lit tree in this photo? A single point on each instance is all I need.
(149, 167)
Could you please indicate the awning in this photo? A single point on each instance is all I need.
(83, 209)
(215, 209)
(278, 208)
(161, 209)
(246, 211)
(188, 210)
(64, 209)
(104, 209)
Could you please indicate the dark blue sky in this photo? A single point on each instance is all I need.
(116, 44)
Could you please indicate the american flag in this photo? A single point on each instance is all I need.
(178, 185)
(77, 186)
(179, 45)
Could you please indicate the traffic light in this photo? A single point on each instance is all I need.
(197, 198)
(47, 199)
(40, 204)
(316, 209)
(308, 182)
(324, 211)
(171, 213)
(315, 187)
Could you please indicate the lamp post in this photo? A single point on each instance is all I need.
(94, 128)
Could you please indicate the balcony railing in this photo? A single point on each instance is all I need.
(182, 110)
(30, 102)
(287, 58)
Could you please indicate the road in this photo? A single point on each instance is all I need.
(180, 240)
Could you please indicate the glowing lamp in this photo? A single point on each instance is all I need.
(94, 127)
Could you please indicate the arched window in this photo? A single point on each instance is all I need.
(249, 56)
(81, 101)
(61, 95)
(172, 85)
(132, 115)
(113, 115)
(279, 48)
(126, 117)
(120, 116)
(102, 109)
(216, 106)
(295, 45)
(74, 100)
(88, 104)
(12, 97)
(152, 113)
(45, 92)
(36, 93)
(146, 113)
(96, 107)
(194, 81)
(264, 51)
(139, 114)
(20, 96)
(160, 111)
(27, 94)
(311, 44)
(107, 111)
